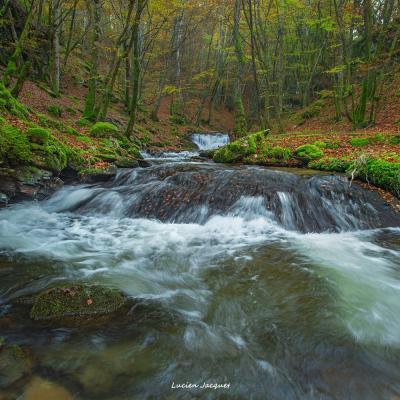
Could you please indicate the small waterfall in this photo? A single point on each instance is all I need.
(210, 141)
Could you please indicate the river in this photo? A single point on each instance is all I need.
(279, 284)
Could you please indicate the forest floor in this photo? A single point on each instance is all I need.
(338, 144)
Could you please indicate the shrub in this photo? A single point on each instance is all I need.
(177, 119)
(14, 146)
(104, 130)
(308, 152)
(38, 135)
(359, 142)
(54, 110)
(313, 110)
(395, 139)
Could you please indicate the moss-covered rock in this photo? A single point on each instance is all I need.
(104, 130)
(320, 144)
(278, 153)
(15, 148)
(380, 173)
(54, 110)
(53, 157)
(76, 301)
(14, 364)
(38, 135)
(308, 152)
(8, 104)
(239, 149)
(95, 175)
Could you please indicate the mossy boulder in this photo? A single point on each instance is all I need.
(381, 173)
(11, 105)
(308, 152)
(104, 130)
(77, 302)
(38, 135)
(95, 175)
(53, 157)
(239, 149)
(15, 148)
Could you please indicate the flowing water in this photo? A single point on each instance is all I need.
(282, 284)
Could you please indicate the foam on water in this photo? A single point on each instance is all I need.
(210, 141)
(132, 254)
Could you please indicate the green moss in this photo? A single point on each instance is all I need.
(84, 139)
(308, 152)
(2, 121)
(330, 164)
(381, 173)
(84, 122)
(76, 301)
(38, 135)
(359, 142)
(71, 131)
(320, 144)
(54, 110)
(239, 149)
(11, 105)
(53, 157)
(14, 146)
(104, 130)
(278, 153)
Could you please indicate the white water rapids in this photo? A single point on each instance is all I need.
(263, 306)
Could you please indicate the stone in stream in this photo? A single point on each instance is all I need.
(77, 301)
(41, 389)
(14, 364)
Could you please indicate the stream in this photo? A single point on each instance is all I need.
(277, 284)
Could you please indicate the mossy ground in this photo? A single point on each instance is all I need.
(76, 301)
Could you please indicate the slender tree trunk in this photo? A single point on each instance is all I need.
(240, 119)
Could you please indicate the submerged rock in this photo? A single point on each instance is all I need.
(41, 389)
(76, 301)
(14, 364)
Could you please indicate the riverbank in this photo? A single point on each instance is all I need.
(371, 158)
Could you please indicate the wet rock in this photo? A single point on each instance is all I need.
(77, 302)
(99, 175)
(27, 184)
(144, 164)
(14, 364)
(41, 389)
(127, 163)
(3, 200)
(95, 380)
